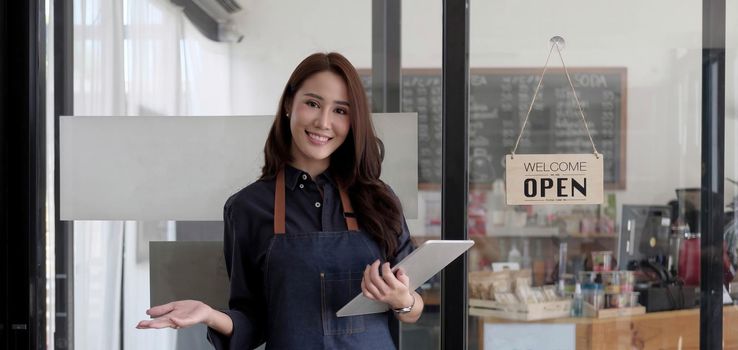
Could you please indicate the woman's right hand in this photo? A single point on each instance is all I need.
(177, 314)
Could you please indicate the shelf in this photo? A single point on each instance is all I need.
(523, 232)
(534, 232)
(590, 235)
(542, 232)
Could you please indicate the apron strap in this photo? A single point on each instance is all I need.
(279, 211)
(279, 204)
(348, 210)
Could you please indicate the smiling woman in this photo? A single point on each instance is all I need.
(314, 231)
(357, 161)
(319, 121)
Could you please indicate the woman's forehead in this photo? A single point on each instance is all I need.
(326, 84)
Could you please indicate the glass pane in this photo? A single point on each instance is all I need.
(421, 93)
(730, 313)
(129, 59)
(636, 73)
(148, 58)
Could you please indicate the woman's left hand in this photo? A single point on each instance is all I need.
(387, 288)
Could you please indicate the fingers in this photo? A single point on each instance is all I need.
(366, 292)
(157, 323)
(389, 277)
(159, 310)
(402, 277)
(165, 322)
(368, 285)
(177, 314)
(179, 322)
(377, 280)
(386, 287)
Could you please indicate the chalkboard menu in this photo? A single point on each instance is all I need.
(498, 102)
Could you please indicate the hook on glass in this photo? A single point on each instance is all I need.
(558, 41)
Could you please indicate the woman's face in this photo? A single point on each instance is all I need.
(319, 119)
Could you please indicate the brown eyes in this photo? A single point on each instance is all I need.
(314, 104)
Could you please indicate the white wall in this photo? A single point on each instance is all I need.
(279, 34)
(659, 42)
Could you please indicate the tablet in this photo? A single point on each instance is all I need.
(424, 262)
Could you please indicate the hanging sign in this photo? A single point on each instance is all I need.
(554, 179)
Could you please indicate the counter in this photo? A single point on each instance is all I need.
(658, 330)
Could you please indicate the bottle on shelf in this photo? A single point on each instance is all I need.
(577, 303)
(496, 205)
(525, 260)
(564, 287)
(562, 258)
(514, 255)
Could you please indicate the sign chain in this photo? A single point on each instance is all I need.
(555, 44)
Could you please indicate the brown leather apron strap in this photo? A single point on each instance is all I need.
(279, 207)
(348, 210)
(279, 213)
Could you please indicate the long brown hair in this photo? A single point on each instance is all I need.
(356, 163)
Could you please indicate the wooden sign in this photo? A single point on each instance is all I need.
(554, 179)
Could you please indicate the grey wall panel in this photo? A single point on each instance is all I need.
(188, 270)
(399, 133)
(184, 168)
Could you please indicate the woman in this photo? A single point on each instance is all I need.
(295, 249)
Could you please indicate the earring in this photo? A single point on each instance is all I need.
(288, 115)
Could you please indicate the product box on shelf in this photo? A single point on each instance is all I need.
(520, 311)
(609, 294)
(591, 311)
(508, 294)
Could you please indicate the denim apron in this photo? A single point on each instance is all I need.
(309, 276)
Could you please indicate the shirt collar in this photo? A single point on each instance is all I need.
(292, 177)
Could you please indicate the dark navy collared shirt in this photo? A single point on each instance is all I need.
(311, 205)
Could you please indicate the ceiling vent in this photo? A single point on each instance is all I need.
(213, 18)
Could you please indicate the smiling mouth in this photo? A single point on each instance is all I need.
(317, 138)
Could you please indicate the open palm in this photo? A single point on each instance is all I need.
(177, 314)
